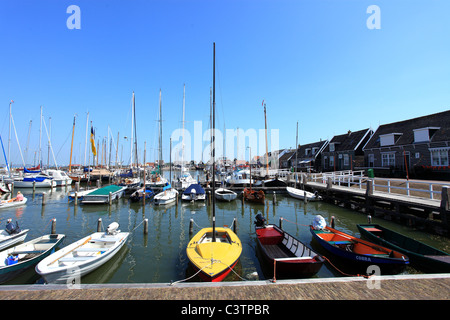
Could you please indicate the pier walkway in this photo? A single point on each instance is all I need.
(399, 287)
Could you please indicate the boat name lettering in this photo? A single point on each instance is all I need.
(363, 258)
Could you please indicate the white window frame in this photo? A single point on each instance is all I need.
(388, 159)
(439, 157)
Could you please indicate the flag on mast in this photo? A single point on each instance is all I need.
(94, 150)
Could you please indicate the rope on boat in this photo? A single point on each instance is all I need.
(138, 225)
(299, 224)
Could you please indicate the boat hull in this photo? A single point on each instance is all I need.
(284, 256)
(7, 240)
(359, 252)
(225, 195)
(422, 256)
(213, 261)
(101, 195)
(254, 196)
(38, 249)
(54, 270)
(10, 203)
(300, 194)
(165, 197)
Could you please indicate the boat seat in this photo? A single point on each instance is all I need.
(89, 249)
(340, 242)
(75, 259)
(26, 252)
(105, 240)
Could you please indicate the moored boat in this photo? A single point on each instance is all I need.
(11, 235)
(359, 252)
(194, 192)
(15, 260)
(139, 194)
(254, 196)
(101, 195)
(283, 254)
(223, 194)
(421, 255)
(167, 196)
(72, 262)
(301, 194)
(12, 203)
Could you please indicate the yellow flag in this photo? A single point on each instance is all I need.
(94, 150)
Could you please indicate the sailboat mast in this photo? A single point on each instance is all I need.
(214, 147)
(296, 149)
(267, 152)
(135, 132)
(132, 133)
(71, 145)
(160, 134)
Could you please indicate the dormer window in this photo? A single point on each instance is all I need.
(424, 134)
(389, 139)
(331, 147)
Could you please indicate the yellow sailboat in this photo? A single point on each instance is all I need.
(214, 252)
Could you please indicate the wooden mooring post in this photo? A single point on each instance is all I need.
(445, 205)
(53, 226)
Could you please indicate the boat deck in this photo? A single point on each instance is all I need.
(278, 251)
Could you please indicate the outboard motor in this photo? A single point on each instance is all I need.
(260, 220)
(113, 229)
(11, 228)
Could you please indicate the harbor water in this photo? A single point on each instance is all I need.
(160, 255)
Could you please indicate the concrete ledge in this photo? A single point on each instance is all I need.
(398, 287)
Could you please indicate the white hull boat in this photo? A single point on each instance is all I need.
(11, 203)
(80, 193)
(37, 182)
(194, 192)
(166, 197)
(300, 194)
(223, 194)
(7, 240)
(70, 263)
(60, 177)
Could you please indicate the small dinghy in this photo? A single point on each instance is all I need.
(357, 252)
(283, 254)
(70, 263)
(11, 235)
(12, 203)
(301, 194)
(168, 195)
(223, 194)
(139, 194)
(15, 260)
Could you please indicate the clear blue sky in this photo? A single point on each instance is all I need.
(314, 62)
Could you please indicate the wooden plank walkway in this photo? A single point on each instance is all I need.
(400, 287)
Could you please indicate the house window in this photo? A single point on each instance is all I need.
(346, 160)
(371, 160)
(388, 159)
(331, 147)
(439, 157)
(331, 161)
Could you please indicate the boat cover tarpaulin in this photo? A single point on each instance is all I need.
(194, 188)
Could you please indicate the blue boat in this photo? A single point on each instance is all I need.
(194, 192)
(358, 252)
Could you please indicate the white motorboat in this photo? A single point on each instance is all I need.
(194, 192)
(223, 194)
(185, 180)
(70, 263)
(241, 178)
(300, 194)
(34, 181)
(101, 195)
(168, 195)
(60, 177)
(11, 235)
(12, 203)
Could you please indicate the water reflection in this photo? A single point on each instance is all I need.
(160, 255)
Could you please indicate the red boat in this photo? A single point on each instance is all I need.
(284, 255)
(254, 196)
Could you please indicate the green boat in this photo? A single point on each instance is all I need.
(15, 260)
(421, 255)
(102, 195)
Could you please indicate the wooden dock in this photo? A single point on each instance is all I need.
(399, 287)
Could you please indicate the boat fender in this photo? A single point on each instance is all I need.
(11, 228)
(319, 223)
(113, 228)
(260, 220)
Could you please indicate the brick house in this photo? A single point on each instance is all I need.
(416, 147)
